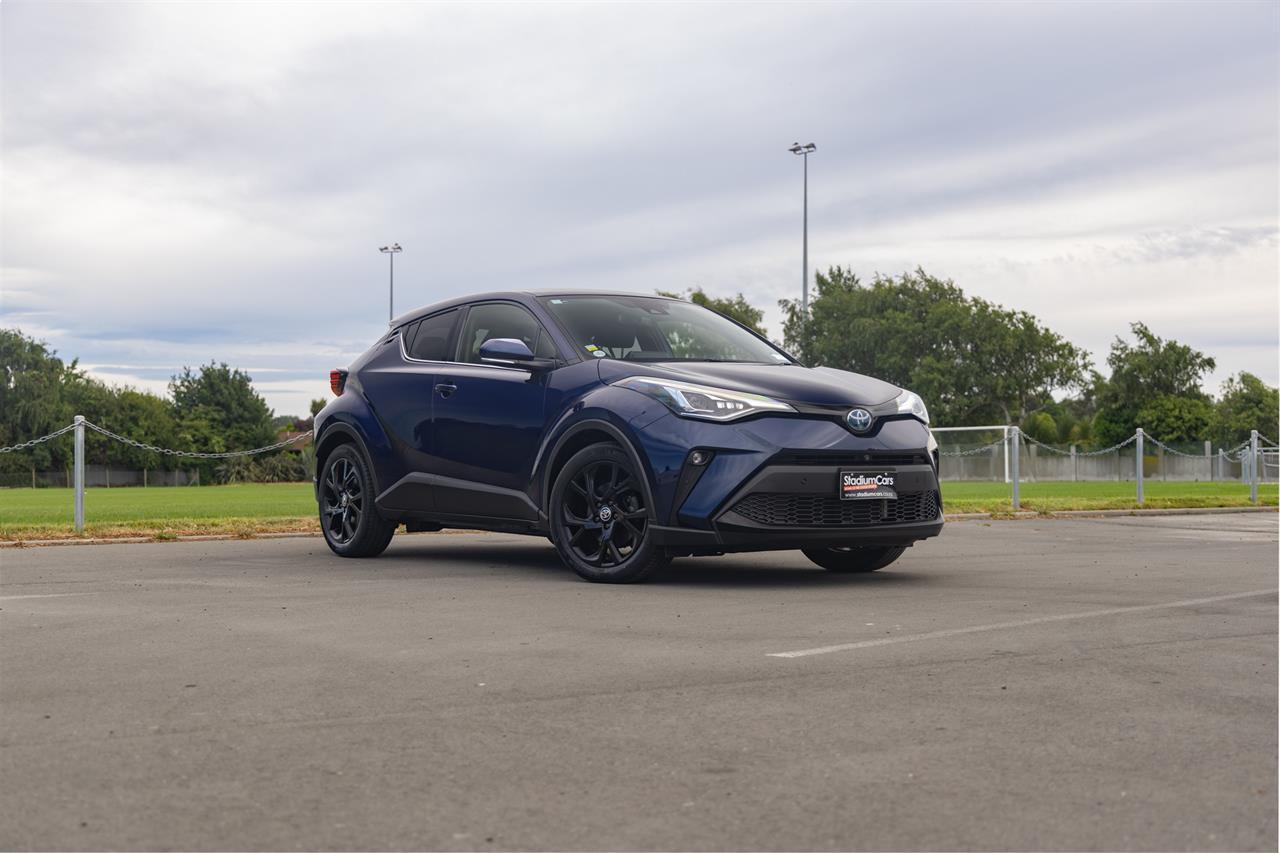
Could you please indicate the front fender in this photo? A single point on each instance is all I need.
(615, 412)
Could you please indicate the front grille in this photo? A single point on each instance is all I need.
(788, 510)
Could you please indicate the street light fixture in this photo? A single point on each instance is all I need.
(804, 151)
(391, 252)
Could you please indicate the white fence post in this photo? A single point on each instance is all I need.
(1016, 452)
(1208, 458)
(1006, 454)
(1075, 465)
(1253, 466)
(1139, 465)
(79, 468)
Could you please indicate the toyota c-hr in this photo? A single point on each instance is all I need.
(628, 430)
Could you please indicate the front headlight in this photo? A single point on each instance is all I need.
(701, 401)
(911, 404)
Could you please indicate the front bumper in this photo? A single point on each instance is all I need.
(766, 495)
(797, 506)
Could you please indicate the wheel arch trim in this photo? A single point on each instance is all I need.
(336, 434)
(618, 436)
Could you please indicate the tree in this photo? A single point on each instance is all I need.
(735, 307)
(136, 414)
(218, 410)
(33, 399)
(972, 361)
(1042, 427)
(1247, 403)
(39, 394)
(1142, 373)
(1172, 418)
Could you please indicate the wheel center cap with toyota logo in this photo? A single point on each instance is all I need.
(606, 514)
(859, 420)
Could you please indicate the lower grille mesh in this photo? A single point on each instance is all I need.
(783, 510)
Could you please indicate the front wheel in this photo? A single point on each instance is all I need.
(853, 558)
(600, 519)
(351, 523)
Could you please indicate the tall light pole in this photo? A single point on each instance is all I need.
(804, 151)
(391, 252)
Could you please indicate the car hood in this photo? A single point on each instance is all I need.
(792, 383)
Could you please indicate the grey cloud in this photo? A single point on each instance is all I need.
(211, 179)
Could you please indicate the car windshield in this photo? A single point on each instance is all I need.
(641, 328)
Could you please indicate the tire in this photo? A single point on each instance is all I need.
(350, 521)
(853, 558)
(600, 519)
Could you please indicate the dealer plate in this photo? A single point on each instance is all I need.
(867, 485)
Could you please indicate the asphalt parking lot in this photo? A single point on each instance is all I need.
(1084, 684)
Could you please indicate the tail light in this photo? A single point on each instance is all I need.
(337, 381)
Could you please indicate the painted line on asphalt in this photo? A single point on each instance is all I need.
(1021, 623)
(45, 595)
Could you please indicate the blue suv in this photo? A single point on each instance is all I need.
(628, 430)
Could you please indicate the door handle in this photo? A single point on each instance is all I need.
(446, 389)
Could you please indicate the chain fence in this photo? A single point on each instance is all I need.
(114, 475)
(80, 470)
(35, 441)
(1014, 453)
(140, 445)
(189, 454)
(974, 451)
(1078, 453)
(1040, 460)
(1015, 457)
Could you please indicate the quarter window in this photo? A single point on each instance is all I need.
(431, 341)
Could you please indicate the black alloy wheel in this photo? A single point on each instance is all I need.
(343, 501)
(604, 513)
(351, 523)
(600, 518)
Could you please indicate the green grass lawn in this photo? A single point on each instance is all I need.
(264, 507)
(242, 508)
(1062, 495)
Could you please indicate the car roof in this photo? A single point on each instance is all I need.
(514, 295)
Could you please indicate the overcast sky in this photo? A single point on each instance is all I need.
(187, 182)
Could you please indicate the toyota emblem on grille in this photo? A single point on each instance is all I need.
(859, 420)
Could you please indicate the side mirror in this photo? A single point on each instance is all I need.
(512, 352)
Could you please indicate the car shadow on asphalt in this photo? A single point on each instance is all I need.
(730, 571)
(727, 571)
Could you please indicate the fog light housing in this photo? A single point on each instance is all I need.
(698, 458)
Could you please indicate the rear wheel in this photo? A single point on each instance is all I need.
(853, 558)
(351, 523)
(600, 519)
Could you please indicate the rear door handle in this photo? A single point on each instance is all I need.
(445, 389)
